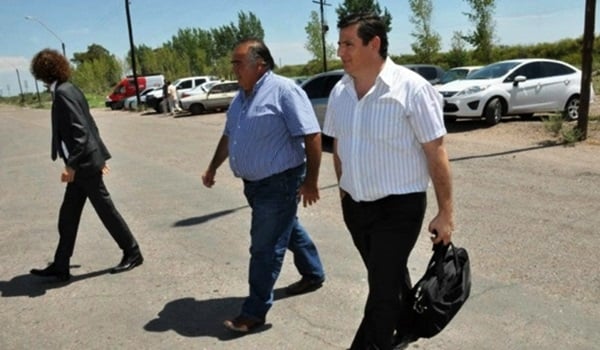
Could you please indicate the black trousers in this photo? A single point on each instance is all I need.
(76, 193)
(384, 232)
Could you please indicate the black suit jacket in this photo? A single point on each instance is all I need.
(73, 124)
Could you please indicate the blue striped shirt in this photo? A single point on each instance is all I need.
(266, 129)
(379, 136)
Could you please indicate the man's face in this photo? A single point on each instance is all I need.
(246, 71)
(354, 55)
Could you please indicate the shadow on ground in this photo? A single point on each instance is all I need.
(35, 286)
(203, 318)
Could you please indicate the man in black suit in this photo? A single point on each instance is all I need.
(76, 140)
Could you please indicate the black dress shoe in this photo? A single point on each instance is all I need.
(305, 285)
(128, 262)
(52, 271)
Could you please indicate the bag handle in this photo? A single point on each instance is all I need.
(439, 253)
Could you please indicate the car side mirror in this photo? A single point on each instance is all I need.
(519, 79)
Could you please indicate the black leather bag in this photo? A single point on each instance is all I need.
(442, 290)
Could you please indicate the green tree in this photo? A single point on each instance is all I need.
(314, 43)
(94, 52)
(249, 26)
(482, 38)
(97, 70)
(458, 55)
(364, 6)
(428, 42)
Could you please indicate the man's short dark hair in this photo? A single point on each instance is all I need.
(258, 50)
(369, 26)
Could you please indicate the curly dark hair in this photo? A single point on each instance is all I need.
(49, 66)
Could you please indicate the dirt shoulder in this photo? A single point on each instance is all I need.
(517, 131)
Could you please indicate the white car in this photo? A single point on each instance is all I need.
(200, 89)
(217, 97)
(130, 103)
(154, 99)
(514, 87)
(457, 73)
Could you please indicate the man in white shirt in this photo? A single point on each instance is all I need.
(387, 125)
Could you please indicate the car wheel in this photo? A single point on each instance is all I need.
(493, 111)
(572, 108)
(196, 108)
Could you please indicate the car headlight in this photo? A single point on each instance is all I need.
(472, 90)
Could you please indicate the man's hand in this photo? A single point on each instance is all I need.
(309, 194)
(68, 175)
(208, 178)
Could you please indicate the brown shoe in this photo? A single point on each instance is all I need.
(305, 285)
(243, 324)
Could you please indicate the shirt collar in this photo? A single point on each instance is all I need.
(261, 81)
(53, 86)
(385, 76)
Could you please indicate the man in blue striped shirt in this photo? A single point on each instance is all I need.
(273, 142)
(388, 128)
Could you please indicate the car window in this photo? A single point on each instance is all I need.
(231, 87)
(217, 89)
(428, 73)
(200, 81)
(552, 69)
(186, 84)
(530, 71)
(494, 70)
(453, 74)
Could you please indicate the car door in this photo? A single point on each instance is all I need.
(555, 85)
(524, 96)
(216, 97)
(231, 90)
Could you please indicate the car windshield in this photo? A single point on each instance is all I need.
(206, 86)
(494, 70)
(453, 74)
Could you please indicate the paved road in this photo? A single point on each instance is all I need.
(530, 224)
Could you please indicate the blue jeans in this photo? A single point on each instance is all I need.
(275, 228)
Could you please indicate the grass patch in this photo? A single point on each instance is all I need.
(43, 100)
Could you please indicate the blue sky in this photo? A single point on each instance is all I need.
(80, 23)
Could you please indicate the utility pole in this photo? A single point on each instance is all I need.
(324, 29)
(586, 69)
(20, 87)
(132, 48)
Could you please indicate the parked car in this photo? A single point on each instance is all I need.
(514, 87)
(431, 72)
(154, 99)
(200, 89)
(457, 73)
(318, 88)
(130, 103)
(126, 88)
(217, 97)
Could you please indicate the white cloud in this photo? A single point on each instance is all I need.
(10, 63)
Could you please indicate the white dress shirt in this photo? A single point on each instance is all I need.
(379, 136)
